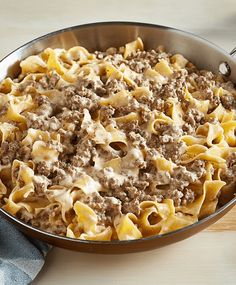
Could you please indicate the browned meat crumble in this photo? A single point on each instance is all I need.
(63, 113)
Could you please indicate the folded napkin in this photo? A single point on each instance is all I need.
(21, 258)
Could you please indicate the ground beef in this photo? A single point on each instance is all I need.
(106, 112)
(173, 89)
(204, 83)
(80, 103)
(84, 154)
(41, 184)
(44, 124)
(3, 110)
(181, 178)
(114, 86)
(92, 84)
(24, 153)
(106, 208)
(229, 102)
(173, 151)
(158, 104)
(112, 208)
(130, 193)
(214, 100)
(168, 133)
(115, 59)
(193, 117)
(49, 81)
(44, 169)
(9, 151)
(175, 195)
(49, 219)
(131, 207)
(198, 167)
(176, 186)
(188, 129)
(142, 59)
(229, 175)
(45, 108)
(188, 196)
(180, 74)
(125, 110)
(137, 139)
(145, 115)
(59, 176)
(123, 165)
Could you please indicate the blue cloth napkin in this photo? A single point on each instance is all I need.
(21, 258)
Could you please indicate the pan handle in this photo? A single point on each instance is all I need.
(233, 52)
(224, 67)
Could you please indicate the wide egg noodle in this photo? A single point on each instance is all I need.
(126, 227)
(132, 47)
(213, 142)
(85, 225)
(22, 189)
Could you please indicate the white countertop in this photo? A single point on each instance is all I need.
(207, 258)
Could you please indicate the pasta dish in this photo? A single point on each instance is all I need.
(115, 145)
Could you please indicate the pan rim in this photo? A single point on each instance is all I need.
(115, 242)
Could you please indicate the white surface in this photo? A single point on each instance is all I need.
(23, 20)
(207, 258)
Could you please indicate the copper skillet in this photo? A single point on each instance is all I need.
(99, 36)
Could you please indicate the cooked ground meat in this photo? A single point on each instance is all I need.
(229, 102)
(198, 167)
(182, 178)
(229, 174)
(143, 59)
(49, 219)
(168, 133)
(193, 117)
(108, 151)
(49, 81)
(41, 184)
(173, 151)
(188, 196)
(9, 151)
(44, 169)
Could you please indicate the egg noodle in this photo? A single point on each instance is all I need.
(152, 154)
